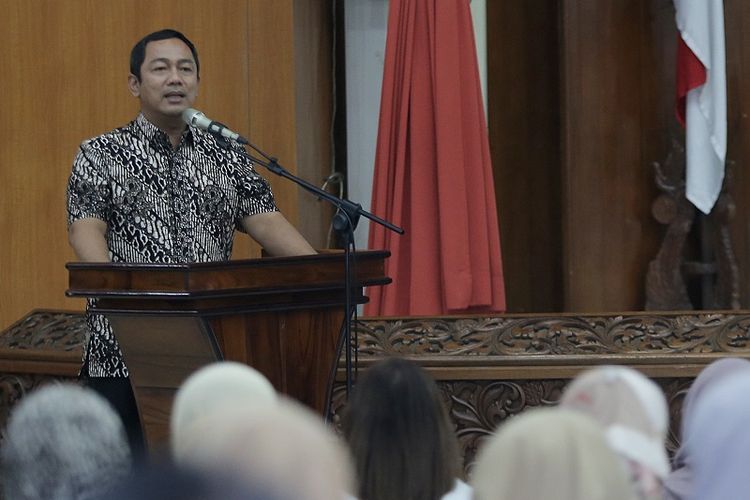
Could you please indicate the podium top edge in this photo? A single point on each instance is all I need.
(325, 256)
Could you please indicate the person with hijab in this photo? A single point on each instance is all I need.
(718, 442)
(284, 449)
(633, 412)
(219, 387)
(679, 483)
(550, 453)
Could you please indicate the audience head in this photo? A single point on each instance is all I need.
(719, 443)
(63, 441)
(218, 387)
(550, 453)
(679, 484)
(399, 434)
(284, 448)
(633, 411)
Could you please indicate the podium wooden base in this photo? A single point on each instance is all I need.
(282, 316)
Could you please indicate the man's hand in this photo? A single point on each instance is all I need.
(276, 235)
(87, 237)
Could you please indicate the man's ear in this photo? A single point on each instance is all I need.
(134, 85)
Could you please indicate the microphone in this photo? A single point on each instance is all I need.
(199, 120)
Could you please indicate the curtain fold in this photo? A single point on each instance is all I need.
(433, 173)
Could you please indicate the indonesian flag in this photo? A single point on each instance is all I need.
(702, 97)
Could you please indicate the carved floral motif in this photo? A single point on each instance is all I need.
(476, 407)
(556, 335)
(55, 330)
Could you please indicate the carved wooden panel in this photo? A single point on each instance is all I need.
(32, 352)
(498, 368)
(61, 331)
(477, 408)
(511, 335)
(488, 369)
(717, 269)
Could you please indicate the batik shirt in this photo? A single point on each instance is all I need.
(161, 205)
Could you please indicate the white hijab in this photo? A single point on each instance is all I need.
(633, 411)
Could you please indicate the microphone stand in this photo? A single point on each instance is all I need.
(344, 223)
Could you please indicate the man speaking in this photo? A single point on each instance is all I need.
(159, 191)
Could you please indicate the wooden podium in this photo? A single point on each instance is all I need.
(280, 315)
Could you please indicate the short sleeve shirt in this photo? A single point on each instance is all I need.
(161, 205)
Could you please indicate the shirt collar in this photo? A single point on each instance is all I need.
(156, 135)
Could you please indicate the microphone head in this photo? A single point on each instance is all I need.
(190, 115)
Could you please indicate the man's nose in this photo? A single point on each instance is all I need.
(175, 77)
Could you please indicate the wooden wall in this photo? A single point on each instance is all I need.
(64, 67)
(581, 99)
(737, 26)
(524, 126)
(580, 104)
(617, 86)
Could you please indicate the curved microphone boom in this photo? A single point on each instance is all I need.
(197, 119)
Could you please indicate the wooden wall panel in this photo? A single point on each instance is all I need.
(737, 26)
(64, 67)
(313, 49)
(581, 97)
(618, 87)
(271, 89)
(524, 127)
(290, 91)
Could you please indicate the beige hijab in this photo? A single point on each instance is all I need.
(285, 449)
(550, 453)
(223, 387)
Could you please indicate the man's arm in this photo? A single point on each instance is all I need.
(87, 237)
(276, 235)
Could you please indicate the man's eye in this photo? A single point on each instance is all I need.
(159, 68)
(186, 69)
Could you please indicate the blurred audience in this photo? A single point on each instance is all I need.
(679, 484)
(283, 448)
(216, 388)
(718, 441)
(63, 442)
(550, 453)
(633, 412)
(234, 438)
(398, 431)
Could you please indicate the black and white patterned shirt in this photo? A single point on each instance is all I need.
(161, 205)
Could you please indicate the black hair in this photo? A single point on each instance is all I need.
(399, 433)
(138, 54)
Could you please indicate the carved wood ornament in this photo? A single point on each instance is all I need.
(488, 369)
(666, 287)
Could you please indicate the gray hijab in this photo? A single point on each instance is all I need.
(679, 483)
(719, 444)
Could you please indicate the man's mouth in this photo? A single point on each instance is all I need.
(174, 96)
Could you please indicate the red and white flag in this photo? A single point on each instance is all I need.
(702, 97)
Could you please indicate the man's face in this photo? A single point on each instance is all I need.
(169, 80)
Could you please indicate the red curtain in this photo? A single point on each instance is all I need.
(433, 174)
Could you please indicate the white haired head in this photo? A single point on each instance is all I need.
(63, 441)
